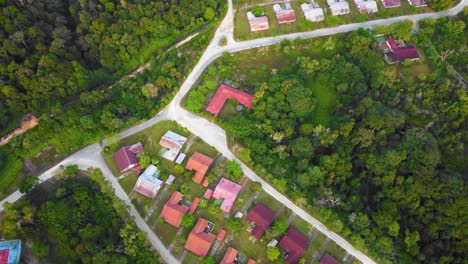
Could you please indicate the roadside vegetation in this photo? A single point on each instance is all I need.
(373, 150)
(98, 112)
(75, 218)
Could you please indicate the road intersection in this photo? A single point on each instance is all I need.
(212, 133)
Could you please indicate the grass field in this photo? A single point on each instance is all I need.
(326, 98)
(128, 182)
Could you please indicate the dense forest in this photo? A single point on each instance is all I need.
(375, 151)
(101, 112)
(74, 221)
(53, 50)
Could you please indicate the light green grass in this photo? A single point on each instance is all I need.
(336, 251)
(128, 182)
(326, 99)
(318, 240)
(301, 225)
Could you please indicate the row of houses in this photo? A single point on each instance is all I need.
(313, 12)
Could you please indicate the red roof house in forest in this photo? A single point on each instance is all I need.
(397, 51)
(391, 3)
(327, 259)
(228, 191)
(229, 256)
(126, 158)
(200, 164)
(224, 93)
(262, 217)
(174, 210)
(200, 239)
(294, 243)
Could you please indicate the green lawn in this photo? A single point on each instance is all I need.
(336, 251)
(301, 225)
(317, 241)
(128, 182)
(250, 247)
(268, 201)
(326, 98)
(245, 194)
(164, 231)
(229, 110)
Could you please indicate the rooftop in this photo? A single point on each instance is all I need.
(148, 183)
(174, 210)
(199, 242)
(126, 158)
(10, 251)
(294, 243)
(230, 256)
(391, 3)
(224, 93)
(228, 191)
(199, 163)
(257, 23)
(262, 217)
(284, 14)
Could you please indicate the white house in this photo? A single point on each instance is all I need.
(312, 12)
(366, 6)
(172, 143)
(338, 7)
(148, 183)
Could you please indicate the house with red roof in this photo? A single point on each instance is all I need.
(261, 217)
(396, 51)
(251, 261)
(257, 23)
(418, 3)
(284, 14)
(293, 243)
(200, 238)
(229, 256)
(199, 163)
(327, 259)
(228, 191)
(224, 93)
(10, 251)
(174, 209)
(148, 182)
(391, 3)
(126, 158)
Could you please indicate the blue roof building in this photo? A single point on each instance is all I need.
(10, 251)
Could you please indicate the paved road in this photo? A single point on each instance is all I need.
(213, 134)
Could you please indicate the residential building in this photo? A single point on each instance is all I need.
(148, 183)
(200, 238)
(284, 13)
(391, 3)
(257, 23)
(174, 209)
(312, 11)
(418, 3)
(327, 259)
(172, 143)
(224, 93)
(366, 6)
(10, 251)
(396, 51)
(293, 243)
(261, 217)
(230, 256)
(126, 158)
(200, 164)
(228, 191)
(251, 261)
(338, 7)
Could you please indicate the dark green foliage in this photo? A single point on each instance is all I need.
(209, 260)
(54, 51)
(257, 11)
(188, 221)
(234, 224)
(77, 223)
(233, 170)
(385, 168)
(28, 183)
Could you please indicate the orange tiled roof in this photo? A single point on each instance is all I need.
(230, 256)
(198, 241)
(172, 211)
(199, 163)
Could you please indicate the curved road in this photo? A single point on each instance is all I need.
(213, 134)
